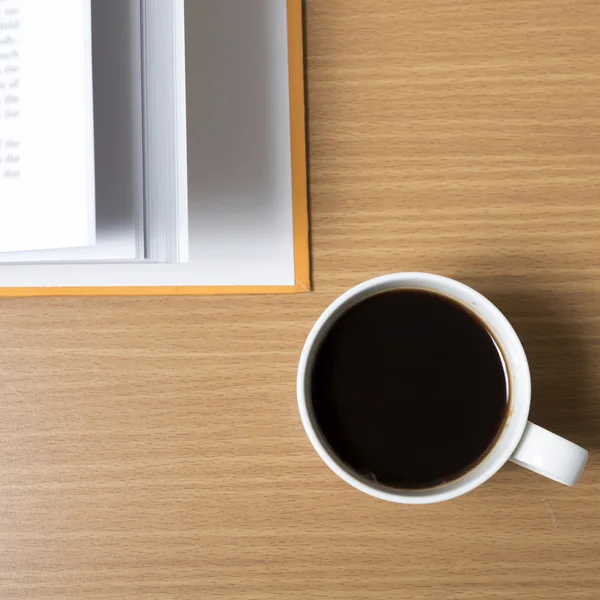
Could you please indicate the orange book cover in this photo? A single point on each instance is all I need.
(299, 199)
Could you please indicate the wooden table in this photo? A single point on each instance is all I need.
(151, 448)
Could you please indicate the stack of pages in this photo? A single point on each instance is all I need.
(133, 161)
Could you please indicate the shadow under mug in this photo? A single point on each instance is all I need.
(519, 440)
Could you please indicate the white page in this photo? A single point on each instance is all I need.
(46, 125)
(165, 155)
(240, 183)
(240, 177)
(118, 140)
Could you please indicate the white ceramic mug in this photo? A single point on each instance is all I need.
(519, 441)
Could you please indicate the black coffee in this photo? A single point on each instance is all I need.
(409, 389)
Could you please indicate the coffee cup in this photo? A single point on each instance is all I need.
(371, 334)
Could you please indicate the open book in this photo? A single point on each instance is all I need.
(133, 161)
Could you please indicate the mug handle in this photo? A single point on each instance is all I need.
(550, 455)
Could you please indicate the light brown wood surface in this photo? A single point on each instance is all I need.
(151, 448)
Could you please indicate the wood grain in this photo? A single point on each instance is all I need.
(151, 448)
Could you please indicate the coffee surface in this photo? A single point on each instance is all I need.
(409, 389)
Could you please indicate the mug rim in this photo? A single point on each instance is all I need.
(509, 345)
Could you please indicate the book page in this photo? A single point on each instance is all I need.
(118, 140)
(46, 125)
(240, 176)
